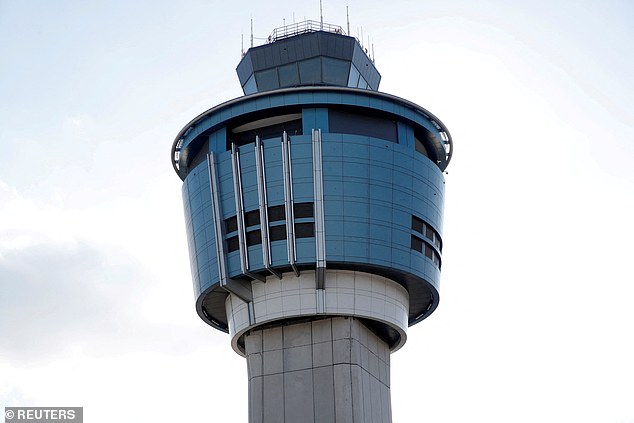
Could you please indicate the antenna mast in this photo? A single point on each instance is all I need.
(348, 20)
(321, 15)
(251, 32)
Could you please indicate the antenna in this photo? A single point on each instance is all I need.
(251, 32)
(348, 20)
(373, 53)
(321, 15)
(242, 44)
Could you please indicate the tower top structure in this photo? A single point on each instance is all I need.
(307, 53)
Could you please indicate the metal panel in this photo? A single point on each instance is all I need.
(288, 202)
(264, 206)
(320, 234)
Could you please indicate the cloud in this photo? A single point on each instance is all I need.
(64, 289)
(57, 296)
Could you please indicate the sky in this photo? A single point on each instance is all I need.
(535, 321)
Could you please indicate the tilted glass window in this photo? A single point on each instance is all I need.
(289, 76)
(310, 71)
(249, 86)
(353, 79)
(335, 71)
(267, 79)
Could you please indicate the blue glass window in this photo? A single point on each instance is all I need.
(267, 79)
(335, 71)
(249, 86)
(353, 80)
(310, 71)
(289, 75)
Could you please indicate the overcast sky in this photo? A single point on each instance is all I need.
(536, 319)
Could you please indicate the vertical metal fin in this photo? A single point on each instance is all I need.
(242, 235)
(288, 202)
(219, 232)
(239, 288)
(320, 231)
(264, 206)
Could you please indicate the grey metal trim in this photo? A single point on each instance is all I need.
(242, 235)
(239, 288)
(320, 225)
(218, 224)
(264, 206)
(288, 202)
(321, 300)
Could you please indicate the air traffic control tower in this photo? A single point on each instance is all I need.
(313, 208)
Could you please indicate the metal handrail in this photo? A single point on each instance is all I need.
(302, 28)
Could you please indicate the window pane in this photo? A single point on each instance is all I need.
(335, 71)
(233, 244)
(303, 210)
(231, 224)
(310, 71)
(428, 251)
(277, 213)
(429, 232)
(417, 224)
(353, 80)
(289, 76)
(277, 233)
(304, 230)
(344, 122)
(267, 79)
(252, 218)
(254, 238)
(417, 244)
(250, 87)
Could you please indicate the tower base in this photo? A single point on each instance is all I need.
(334, 369)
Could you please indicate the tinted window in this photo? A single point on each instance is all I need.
(250, 87)
(344, 122)
(429, 251)
(288, 75)
(233, 244)
(353, 80)
(252, 218)
(417, 224)
(231, 224)
(310, 71)
(267, 79)
(335, 71)
(254, 238)
(304, 230)
(417, 244)
(277, 233)
(429, 232)
(303, 210)
(277, 213)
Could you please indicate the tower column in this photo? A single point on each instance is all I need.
(333, 369)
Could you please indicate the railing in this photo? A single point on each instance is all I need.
(302, 28)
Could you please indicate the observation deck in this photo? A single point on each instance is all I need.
(307, 54)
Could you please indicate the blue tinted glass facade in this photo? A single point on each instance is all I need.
(374, 188)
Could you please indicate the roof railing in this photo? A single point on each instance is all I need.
(303, 27)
